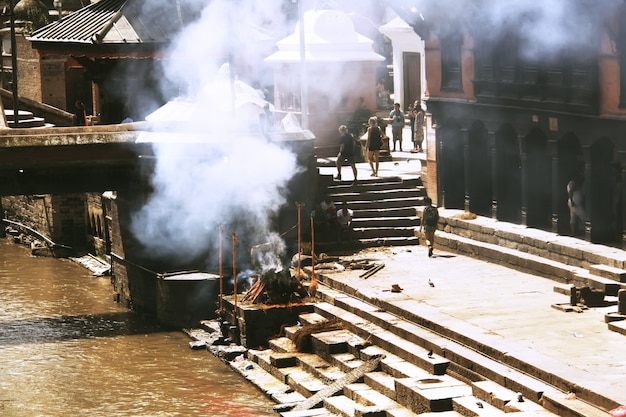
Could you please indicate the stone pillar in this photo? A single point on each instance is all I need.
(494, 174)
(524, 188)
(2, 232)
(555, 194)
(586, 190)
(553, 152)
(622, 192)
(467, 171)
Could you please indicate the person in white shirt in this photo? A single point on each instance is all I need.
(344, 219)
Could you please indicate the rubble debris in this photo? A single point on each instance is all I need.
(372, 270)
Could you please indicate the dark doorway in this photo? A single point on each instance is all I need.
(412, 78)
(600, 192)
(538, 179)
(508, 175)
(452, 167)
(480, 188)
(571, 164)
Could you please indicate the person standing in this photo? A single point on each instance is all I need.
(266, 120)
(346, 152)
(397, 123)
(428, 223)
(374, 144)
(576, 204)
(419, 125)
(80, 116)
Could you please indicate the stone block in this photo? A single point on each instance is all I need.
(471, 406)
(381, 382)
(328, 343)
(610, 272)
(432, 394)
(283, 360)
(494, 394)
(282, 344)
(399, 368)
(304, 383)
(556, 403)
(362, 394)
(346, 362)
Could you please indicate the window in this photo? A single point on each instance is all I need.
(451, 79)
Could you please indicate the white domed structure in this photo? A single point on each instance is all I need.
(339, 66)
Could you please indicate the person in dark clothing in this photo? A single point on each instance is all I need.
(80, 117)
(428, 223)
(374, 144)
(346, 152)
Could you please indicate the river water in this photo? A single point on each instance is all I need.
(66, 349)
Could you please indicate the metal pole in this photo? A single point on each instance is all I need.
(221, 273)
(312, 249)
(14, 64)
(299, 238)
(304, 93)
(235, 272)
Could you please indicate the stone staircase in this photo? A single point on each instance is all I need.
(384, 209)
(25, 119)
(412, 371)
(568, 261)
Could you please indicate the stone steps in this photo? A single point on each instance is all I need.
(471, 359)
(407, 381)
(384, 209)
(563, 269)
(25, 119)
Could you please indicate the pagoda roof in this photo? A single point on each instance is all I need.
(115, 28)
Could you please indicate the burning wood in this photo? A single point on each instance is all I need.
(276, 287)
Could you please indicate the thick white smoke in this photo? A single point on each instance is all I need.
(218, 172)
(545, 28)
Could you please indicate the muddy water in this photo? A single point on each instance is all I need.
(66, 349)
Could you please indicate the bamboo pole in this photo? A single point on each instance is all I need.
(299, 240)
(221, 273)
(234, 237)
(312, 248)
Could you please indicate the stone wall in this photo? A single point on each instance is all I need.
(76, 220)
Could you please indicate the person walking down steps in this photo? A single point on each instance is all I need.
(346, 152)
(430, 218)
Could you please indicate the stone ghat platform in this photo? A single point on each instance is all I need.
(491, 330)
(491, 327)
(384, 366)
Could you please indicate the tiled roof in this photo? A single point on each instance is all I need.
(115, 22)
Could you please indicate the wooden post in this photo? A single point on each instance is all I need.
(234, 237)
(312, 248)
(221, 272)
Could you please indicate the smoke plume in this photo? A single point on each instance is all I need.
(214, 173)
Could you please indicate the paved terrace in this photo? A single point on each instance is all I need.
(499, 307)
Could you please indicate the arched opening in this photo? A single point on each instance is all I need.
(571, 163)
(452, 167)
(601, 189)
(508, 175)
(480, 188)
(538, 177)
